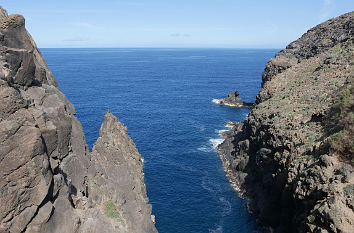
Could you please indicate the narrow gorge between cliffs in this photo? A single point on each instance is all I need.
(162, 96)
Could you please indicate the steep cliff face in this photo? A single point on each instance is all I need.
(49, 181)
(293, 156)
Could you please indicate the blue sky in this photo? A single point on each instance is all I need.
(173, 23)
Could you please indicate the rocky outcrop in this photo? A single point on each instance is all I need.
(49, 181)
(293, 157)
(233, 99)
(116, 179)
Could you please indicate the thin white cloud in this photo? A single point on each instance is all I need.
(131, 3)
(328, 2)
(75, 39)
(180, 35)
(182, 29)
(66, 11)
(84, 25)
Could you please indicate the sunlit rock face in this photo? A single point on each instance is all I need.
(293, 156)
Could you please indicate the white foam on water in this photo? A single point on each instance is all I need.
(205, 148)
(196, 56)
(220, 131)
(227, 206)
(212, 144)
(216, 141)
(216, 101)
(209, 186)
(218, 229)
(228, 125)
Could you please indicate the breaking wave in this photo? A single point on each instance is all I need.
(211, 145)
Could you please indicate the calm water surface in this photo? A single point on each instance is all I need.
(164, 97)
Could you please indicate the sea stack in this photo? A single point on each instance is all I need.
(233, 99)
(49, 181)
(293, 156)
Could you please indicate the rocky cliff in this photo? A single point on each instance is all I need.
(49, 181)
(293, 156)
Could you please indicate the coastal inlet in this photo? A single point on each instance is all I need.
(164, 96)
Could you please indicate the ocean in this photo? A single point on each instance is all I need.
(165, 98)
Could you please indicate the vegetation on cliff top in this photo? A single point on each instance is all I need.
(341, 124)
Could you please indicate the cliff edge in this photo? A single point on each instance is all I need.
(293, 156)
(49, 181)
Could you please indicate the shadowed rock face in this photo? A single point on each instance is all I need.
(49, 181)
(293, 156)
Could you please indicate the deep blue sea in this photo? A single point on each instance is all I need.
(164, 97)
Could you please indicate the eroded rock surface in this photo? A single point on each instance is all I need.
(49, 181)
(293, 156)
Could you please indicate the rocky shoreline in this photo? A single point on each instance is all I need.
(293, 157)
(226, 162)
(224, 151)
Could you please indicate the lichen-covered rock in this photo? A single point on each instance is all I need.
(44, 158)
(293, 156)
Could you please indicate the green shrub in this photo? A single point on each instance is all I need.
(349, 190)
(110, 210)
(340, 125)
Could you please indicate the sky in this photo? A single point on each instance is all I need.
(173, 23)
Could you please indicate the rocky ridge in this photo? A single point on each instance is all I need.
(49, 181)
(293, 156)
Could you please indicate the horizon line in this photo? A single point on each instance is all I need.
(158, 48)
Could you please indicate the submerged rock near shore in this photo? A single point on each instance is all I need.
(293, 156)
(49, 181)
(233, 99)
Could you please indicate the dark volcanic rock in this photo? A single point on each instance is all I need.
(234, 100)
(293, 156)
(47, 175)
